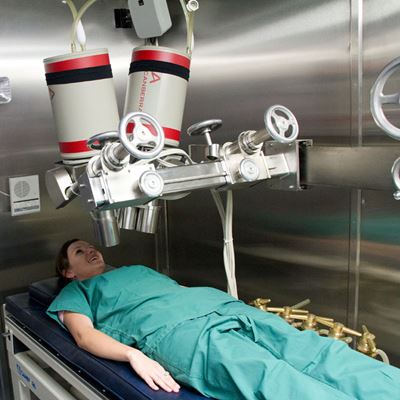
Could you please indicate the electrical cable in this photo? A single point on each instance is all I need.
(74, 13)
(228, 242)
(189, 18)
(75, 24)
(72, 7)
(383, 355)
(228, 252)
(190, 34)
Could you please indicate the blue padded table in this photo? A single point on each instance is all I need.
(116, 380)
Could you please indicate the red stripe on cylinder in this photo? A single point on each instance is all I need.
(157, 55)
(79, 146)
(78, 63)
(169, 133)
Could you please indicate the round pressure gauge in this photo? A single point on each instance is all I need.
(151, 184)
(248, 170)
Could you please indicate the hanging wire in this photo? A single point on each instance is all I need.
(77, 16)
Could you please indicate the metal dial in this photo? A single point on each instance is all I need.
(151, 184)
(249, 171)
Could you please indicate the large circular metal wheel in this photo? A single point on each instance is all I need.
(281, 124)
(378, 99)
(143, 143)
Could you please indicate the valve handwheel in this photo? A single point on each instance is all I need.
(378, 99)
(204, 127)
(97, 141)
(281, 124)
(142, 144)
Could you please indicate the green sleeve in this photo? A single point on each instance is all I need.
(71, 298)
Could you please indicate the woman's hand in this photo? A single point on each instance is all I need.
(151, 372)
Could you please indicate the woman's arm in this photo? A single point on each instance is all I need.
(102, 345)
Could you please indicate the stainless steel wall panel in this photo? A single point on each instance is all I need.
(296, 56)
(272, 52)
(379, 298)
(247, 56)
(380, 47)
(380, 271)
(282, 250)
(289, 246)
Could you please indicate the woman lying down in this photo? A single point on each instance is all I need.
(204, 338)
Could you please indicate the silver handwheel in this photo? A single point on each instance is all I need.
(281, 124)
(97, 141)
(142, 144)
(378, 99)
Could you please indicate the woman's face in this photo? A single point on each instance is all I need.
(85, 261)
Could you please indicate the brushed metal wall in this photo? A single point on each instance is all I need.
(289, 246)
(337, 246)
(379, 269)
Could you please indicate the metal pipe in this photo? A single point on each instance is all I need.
(249, 142)
(105, 227)
(259, 137)
(72, 191)
(119, 152)
(148, 217)
(127, 218)
(113, 156)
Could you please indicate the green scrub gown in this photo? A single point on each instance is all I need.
(220, 346)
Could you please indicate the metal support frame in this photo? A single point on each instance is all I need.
(351, 167)
(35, 370)
(115, 189)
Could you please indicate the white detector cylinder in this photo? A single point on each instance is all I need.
(83, 100)
(157, 85)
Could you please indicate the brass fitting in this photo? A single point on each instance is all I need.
(260, 303)
(367, 344)
(310, 324)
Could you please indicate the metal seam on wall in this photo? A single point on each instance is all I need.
(356, 92)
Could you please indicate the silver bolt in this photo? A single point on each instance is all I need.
(192, 5)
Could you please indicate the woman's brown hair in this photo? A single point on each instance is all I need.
(62, 263)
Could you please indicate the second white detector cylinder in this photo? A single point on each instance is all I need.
(157, 85)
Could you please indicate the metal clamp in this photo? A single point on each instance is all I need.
(378, 99)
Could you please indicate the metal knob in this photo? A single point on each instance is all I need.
(204, 128)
